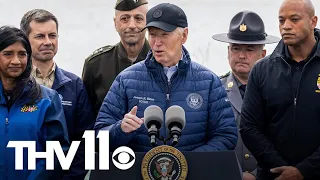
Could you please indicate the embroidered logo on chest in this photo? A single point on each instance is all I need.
(65, 103)
(143, 100)
(318, 84)
(26, 108)
(194, 100)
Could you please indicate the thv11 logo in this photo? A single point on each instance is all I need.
(123, 157)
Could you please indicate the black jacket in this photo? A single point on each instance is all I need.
(279, 126)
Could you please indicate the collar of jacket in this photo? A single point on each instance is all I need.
(183, 65)
(123, 53)
(20, 99)
(60, 79)
(232, 88)
(280, 49)
(2, 98)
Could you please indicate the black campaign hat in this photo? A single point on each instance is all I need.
(246, 27)
(127, 5)
(167, 17)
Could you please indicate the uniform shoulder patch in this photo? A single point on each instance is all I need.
(225, 75)
(99, 51)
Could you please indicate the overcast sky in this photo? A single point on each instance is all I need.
(86, 25)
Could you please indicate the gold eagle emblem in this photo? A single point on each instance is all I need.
(243, 27)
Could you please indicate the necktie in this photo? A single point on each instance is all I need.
(242, 89)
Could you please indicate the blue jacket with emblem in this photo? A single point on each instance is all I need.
(79, 115)
(41, 122)
(210, 123)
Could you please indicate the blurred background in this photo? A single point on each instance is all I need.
(85, 25)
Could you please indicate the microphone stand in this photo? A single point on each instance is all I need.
(175, 133)
(153, 133)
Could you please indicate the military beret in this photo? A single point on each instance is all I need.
(127, 5)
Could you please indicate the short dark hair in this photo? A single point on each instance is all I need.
(8, 36)
(38, 15)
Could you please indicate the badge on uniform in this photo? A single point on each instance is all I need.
(230, 84)
(318, 84)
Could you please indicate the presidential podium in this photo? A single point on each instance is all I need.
(221, 165)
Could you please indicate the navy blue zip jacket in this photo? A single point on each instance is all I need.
(210, 123)
(78, 113)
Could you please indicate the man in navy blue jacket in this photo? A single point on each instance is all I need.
(168, 77)
(41, 28)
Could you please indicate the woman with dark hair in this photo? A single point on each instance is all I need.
(28, 112)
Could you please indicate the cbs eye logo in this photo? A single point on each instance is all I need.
(123, 158)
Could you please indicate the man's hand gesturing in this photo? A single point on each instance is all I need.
(131, 122)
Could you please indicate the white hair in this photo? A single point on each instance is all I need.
(180, 30)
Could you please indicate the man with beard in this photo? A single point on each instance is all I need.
(102, 67)
(41, 27)
(246, 38)
(280, 118)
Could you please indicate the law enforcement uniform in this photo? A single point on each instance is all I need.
(234, 91)
(246, 27)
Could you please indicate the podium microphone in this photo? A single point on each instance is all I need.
(153, 119)
(175, 122)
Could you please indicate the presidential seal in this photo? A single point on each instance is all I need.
(164, 163)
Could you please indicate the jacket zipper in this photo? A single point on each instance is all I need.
(163, 77)
(6, 134)
(168, 91)
(295, 94)
(6, 121)
(169, 85)
(294, 99)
